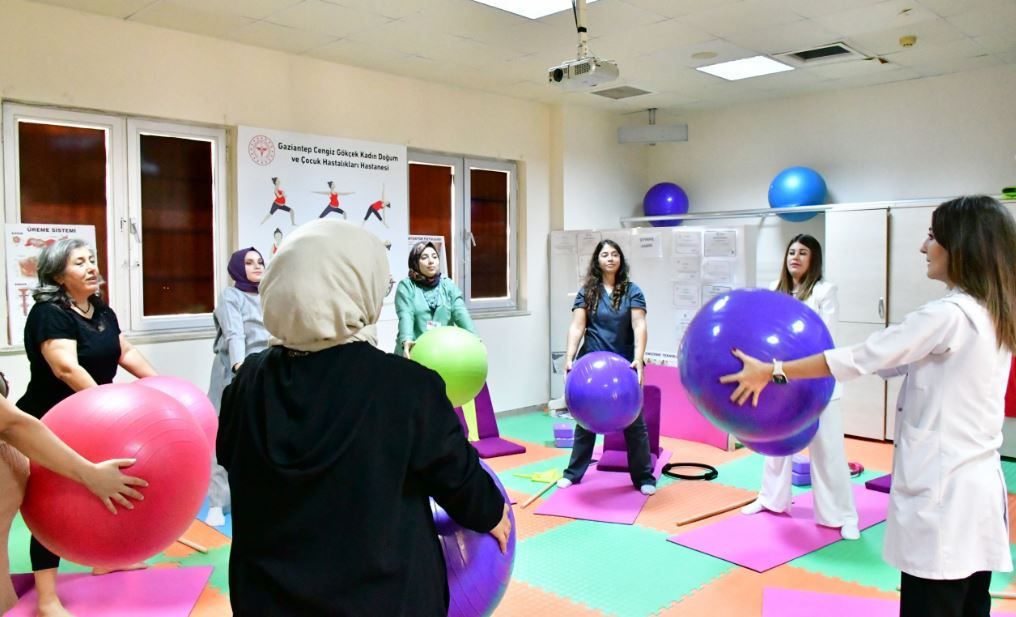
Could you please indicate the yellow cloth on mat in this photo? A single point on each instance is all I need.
(551, 475)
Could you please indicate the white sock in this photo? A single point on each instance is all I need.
(850, 531)
(564, 483)
(753, 508)
(215, 517)
(648, 489)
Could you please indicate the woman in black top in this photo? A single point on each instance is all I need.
(330, 468)
(73, 342)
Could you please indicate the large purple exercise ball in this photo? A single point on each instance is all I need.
(784, 446)
(767, 325)
(478, 573)
(603, 392)
(663, 199)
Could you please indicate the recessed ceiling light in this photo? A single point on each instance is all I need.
(745, 68)
(529, 8)
(704, 55)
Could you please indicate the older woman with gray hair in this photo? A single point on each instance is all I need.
(73, 341)
(331, 467)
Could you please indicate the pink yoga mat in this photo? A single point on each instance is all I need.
(777, 602)
(604, 496)
(678, 417)
(155, 592)
(765, 540)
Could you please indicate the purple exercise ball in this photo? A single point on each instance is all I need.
(786, 445)
(767, 325)
(478, 572)
(603, 392)
(663, 199)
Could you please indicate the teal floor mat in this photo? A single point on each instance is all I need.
(536, 427)
(17, 550)
(1009, 470)
(859, 561)
(525, 485)
(575, 561)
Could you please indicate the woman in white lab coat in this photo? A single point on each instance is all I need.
(948, 525)
(801, 277)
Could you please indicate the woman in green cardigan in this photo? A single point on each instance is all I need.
(426, 300)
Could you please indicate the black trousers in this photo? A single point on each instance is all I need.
(42, 557)
(965, 597)
(636, 438)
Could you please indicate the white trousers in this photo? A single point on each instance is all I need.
(830, 476)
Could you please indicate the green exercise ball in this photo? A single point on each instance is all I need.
(458, 356)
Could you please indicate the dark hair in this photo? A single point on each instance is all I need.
(275, 179)
(594, 278)
(331, 184)
(811, 277)
(980, 236)
(52, 263)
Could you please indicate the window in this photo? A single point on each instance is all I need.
(154, 191)
(473, 203)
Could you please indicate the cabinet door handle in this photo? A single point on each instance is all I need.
(881, 308)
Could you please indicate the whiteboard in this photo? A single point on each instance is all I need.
(678, 268)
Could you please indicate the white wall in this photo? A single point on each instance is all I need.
(934, 137)
(60, 57)
(602, 181)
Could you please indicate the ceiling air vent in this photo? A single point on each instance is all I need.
(620, 92)
(835, 52)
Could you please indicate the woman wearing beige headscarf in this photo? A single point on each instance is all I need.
(333, 447)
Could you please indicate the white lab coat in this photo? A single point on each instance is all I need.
(830, 477)
(948, 516)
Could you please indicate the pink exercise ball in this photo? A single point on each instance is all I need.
(192, 398)
(120, 421)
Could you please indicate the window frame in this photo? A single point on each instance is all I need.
(460, 244)
(124, 269)
(136, 127)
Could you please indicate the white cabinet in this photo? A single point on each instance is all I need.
(855, 260)
(856, 257)
(909, 285)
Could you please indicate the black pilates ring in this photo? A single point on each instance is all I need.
(710, 472)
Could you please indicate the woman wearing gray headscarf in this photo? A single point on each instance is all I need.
(330, 468)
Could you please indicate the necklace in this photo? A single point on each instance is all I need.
(83, 311)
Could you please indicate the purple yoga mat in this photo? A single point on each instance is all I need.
(604, 496)
(765, 540)
(777, 602)
(155, 592)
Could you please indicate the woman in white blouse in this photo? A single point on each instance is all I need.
(948, 526)
(801, 277)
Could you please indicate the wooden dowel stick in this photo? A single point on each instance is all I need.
(536, 496)
(721, 510)
(193, 545)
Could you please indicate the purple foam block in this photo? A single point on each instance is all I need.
(800, 464)
(800, 479)
(564, 429)
(880, 484)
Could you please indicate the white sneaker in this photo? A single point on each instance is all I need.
(215, 517)
(564, 483)
(850, 532)
(753, 508)
(648, 489)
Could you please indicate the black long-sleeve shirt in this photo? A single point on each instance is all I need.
(331, 458)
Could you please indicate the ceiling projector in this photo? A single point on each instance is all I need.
(583, 73)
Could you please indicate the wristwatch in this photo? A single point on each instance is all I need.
(779, 377)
